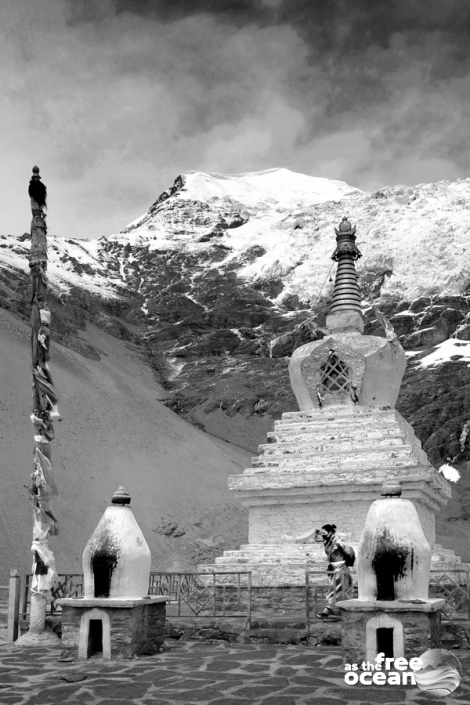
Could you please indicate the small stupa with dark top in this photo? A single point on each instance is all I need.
(393, 614)
(116, 618)
(327, 462)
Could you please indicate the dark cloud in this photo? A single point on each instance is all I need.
(357, 48)
(339, 26)
(237, 12)
(115, 98)
(345, 27)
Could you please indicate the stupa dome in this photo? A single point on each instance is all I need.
(116, 559)
(394, 557)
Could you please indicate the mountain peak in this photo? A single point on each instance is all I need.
(287, 188)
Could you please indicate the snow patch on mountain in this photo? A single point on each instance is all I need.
(278, 262)
(70, 263)
(446, 352)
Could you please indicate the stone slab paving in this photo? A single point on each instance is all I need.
(199, 673)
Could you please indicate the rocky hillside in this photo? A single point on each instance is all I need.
(225, 276)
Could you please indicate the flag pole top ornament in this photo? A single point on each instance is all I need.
(38, 193)
(346, 241)
(35, 176)
(121, 496)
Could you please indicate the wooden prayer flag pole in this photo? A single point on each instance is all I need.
(43, 487)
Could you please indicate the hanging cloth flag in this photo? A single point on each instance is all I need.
(43, 471)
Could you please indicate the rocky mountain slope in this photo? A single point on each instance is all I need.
(225, 276)
(112, 431)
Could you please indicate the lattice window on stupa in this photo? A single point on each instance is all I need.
(334, 375)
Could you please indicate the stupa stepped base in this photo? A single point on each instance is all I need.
(327, 465)
(336, 439)
(282, 565)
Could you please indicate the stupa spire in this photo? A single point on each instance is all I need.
(346, 296)
(345, 309)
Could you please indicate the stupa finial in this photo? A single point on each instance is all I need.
(346, 301)
(345, 227)
(391, 488)
(121, 496)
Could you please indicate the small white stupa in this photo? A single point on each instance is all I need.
(116, 559)
(116, 618)
(393, 614)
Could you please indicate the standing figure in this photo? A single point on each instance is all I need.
(340, 558)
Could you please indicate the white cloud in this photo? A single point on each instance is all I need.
(113, 110)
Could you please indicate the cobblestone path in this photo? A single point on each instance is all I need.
(201, 673)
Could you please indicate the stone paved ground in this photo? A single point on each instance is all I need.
(201, 673)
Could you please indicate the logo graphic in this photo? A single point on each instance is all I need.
(439, 672)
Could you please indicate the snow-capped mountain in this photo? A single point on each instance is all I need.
(415, 236)
(226, 275)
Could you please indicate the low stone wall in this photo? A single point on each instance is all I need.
(277, 600)
(454, 635)
(271, 630)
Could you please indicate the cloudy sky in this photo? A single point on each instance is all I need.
(114, 98)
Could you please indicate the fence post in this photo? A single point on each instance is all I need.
(344, 589)
(249, 601)
(307, 604)
(213, 591)
(26, 595)
(178, 594)
(13, 605)
(468, 594)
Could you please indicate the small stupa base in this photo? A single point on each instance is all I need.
(398, 628)
(113, 628)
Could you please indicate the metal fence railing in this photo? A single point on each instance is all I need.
(453, 585)
(205, 594)
(229, 594)
(191, 593)
(67, 585)
(4, 590)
